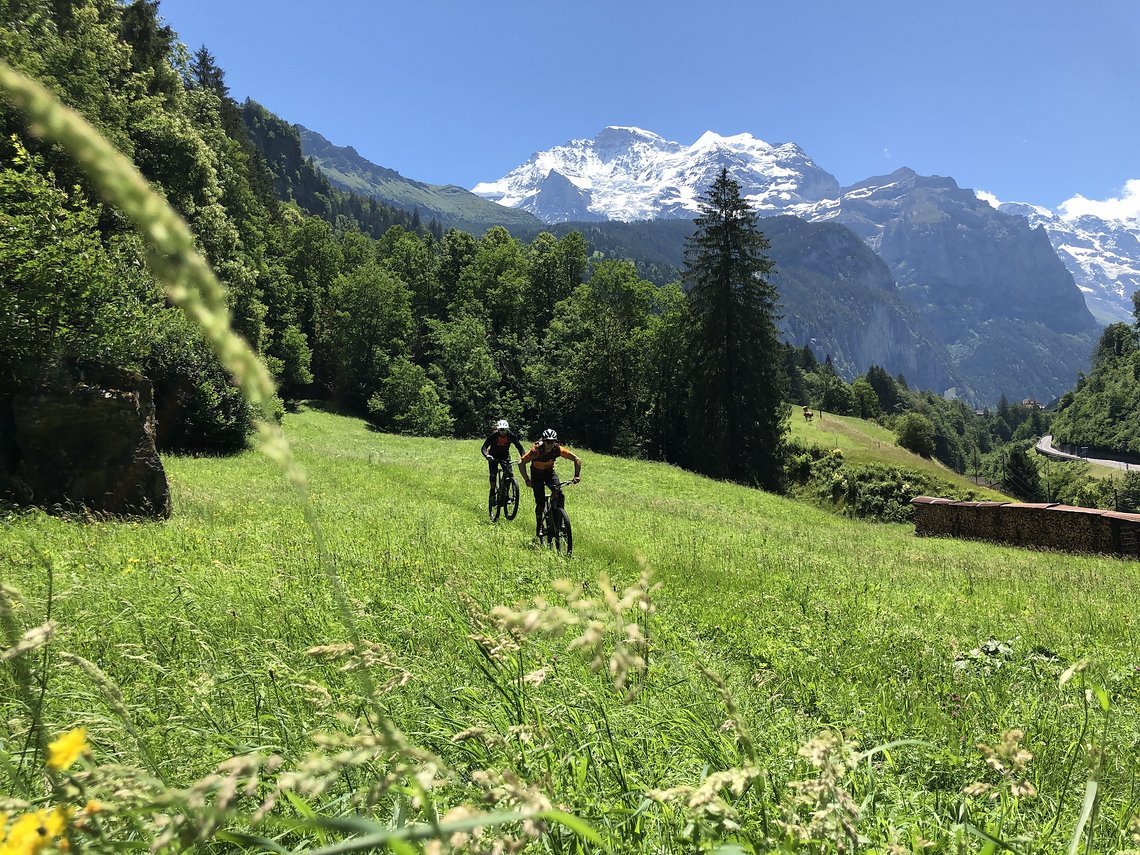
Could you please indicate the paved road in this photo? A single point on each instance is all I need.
(1045, 446)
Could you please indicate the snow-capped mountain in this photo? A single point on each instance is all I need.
(1102, 254)
(631, 174)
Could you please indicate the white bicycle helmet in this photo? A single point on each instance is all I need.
(550, 434)
(502, 424)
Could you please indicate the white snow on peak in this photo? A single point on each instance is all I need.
(1035, 213)
(1099, 242)
(634, 131)
(628, 173)
(711, 139)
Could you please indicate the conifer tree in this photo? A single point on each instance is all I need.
(1021, 477)
(206, 74)
(737, 419)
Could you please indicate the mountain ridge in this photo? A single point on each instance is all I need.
(450, 204)
(983, 286)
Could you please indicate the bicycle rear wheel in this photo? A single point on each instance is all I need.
(511, 507)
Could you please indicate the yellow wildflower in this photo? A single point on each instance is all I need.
(32, 832)
(66, 750)
(93, 806)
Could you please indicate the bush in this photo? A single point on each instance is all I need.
(408, 402)
(869, 491)
(197, 408)
(884, 493)
(916, 433)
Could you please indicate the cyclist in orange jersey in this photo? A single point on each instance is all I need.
(541, 458)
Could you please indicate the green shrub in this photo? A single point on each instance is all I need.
(884, 493)
(197, 408)
(867, 491)
(408, 402)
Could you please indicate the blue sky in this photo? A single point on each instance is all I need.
(1029, 100)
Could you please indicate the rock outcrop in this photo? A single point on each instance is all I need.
(90, 445)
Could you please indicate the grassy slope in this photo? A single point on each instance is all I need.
(866, 442)
(813, 619)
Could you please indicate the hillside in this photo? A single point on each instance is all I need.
(863, 441)
(452, 206)
(814, 621)
(836, 295)
(1103, 410)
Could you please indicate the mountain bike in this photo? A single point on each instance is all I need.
(503, 497)
(554, 527)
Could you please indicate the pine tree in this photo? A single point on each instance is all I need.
(206, 74)
(151, 46)
(1021, 477)
(737, 421)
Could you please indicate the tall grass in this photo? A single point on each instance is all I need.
(814, 623)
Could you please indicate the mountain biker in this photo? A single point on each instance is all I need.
(541, 458)
(497, 447)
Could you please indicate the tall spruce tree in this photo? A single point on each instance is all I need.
(737, 420)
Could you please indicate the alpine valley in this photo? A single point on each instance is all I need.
(909, 272)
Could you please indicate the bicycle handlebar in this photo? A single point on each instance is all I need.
(562, 484)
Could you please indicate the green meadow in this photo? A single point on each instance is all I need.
(816, 624)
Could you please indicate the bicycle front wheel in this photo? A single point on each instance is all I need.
(493, 502)
(512, 503)
(546, 527)
(563, 535)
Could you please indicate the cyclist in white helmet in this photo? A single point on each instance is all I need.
(497, 448)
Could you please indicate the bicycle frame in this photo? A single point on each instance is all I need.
(504, 468)
(557, 492)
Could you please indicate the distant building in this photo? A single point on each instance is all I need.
(1029, 402)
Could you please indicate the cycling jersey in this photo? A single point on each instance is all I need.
(499, 445)
(541, 459)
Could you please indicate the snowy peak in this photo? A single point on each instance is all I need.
(627, 173)
(1103, 254)
(618, 139)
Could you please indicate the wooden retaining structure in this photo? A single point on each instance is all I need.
(1040, 526)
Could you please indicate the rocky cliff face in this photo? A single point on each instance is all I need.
(958, 261)
(1102, 254)
(841, 299)
(987, 283)
(85, 446)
